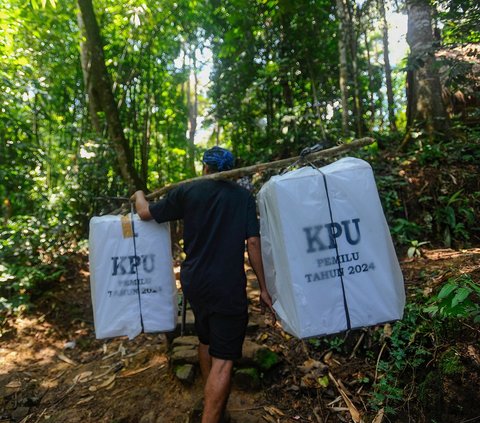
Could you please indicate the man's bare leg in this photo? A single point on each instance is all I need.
(217, 390)
(205, 361)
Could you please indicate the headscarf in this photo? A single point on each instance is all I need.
(219, 159)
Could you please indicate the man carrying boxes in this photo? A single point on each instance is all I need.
(219, 216)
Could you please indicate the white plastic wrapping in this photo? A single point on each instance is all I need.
(316, 289)
(118, 306)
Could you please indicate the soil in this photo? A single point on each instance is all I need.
(54, 370)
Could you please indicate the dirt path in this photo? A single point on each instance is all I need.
(53, 369)
(43, 380)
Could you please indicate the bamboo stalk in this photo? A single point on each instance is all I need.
(258, 168)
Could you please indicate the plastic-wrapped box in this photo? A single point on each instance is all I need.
(131, 277)
(329, 260)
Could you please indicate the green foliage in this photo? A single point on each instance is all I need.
(386, 391)
(443, 210)
(458, 298)
(333, 342)
(30, 255)
(414, 342)
(414, 249)
(450, 363)
(266, 358)
(454, 214)
(407, 351)
(461, 19)
(404, 231)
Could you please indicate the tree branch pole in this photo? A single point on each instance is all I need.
(258, 168)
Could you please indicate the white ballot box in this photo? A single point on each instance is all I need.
(329, 260)
(131, 277)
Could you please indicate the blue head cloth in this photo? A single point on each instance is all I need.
(219, 159)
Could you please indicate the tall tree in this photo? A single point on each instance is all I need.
(388, 68)
(424, 99)
(343, 70)
(353, 18)
(99, 87)
(192, 104)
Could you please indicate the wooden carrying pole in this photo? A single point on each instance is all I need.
(262, 167)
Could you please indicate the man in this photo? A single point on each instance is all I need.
(218, 217)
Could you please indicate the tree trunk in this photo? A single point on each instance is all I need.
(145, 146)
(352, 38)
(316, 105)
(388, 68)
(343, 77)
(192, 104)
(100, 89)
(424, 99)
(370, 80)
(93, 101)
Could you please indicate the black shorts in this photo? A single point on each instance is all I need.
(222, 332)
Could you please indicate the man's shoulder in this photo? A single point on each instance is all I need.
(219, 184)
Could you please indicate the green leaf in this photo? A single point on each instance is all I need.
(433, 309)
(411, 252)
(323, 381)
(460, 296)
(446, 290)
(454, 197)
(474, 286)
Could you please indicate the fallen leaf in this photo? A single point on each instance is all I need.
(379, 417)
(269, 418)
(64, 358)
(263, 337)
(129, 373)
(14, 384)
(122, 350)
(327, 357)
(339, 409)
(83, 377)
(107, 382)
(311, 364)
(274, 411)
(84, 400)
(356, 417)
(387, 330)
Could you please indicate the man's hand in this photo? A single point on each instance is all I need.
(137, 194)
(254, 249)
(141, 204)
(266, 302)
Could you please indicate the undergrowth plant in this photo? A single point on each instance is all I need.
(458, 298)
(411, 351)
(405, 351)
(30, 256)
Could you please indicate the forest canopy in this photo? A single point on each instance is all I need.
(99, 98)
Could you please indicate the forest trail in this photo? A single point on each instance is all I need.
(131, 381)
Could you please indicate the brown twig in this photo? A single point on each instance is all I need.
(378, 362)
(355, 348)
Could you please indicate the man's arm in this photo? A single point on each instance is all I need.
(141, 205)
(255, 256)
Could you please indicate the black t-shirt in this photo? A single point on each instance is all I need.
(218, 217)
